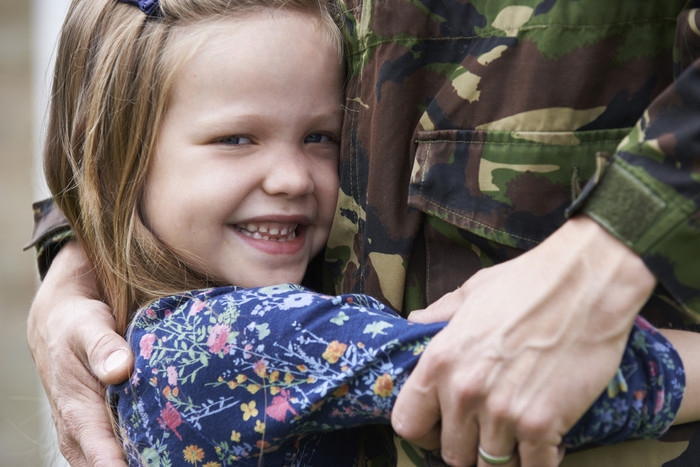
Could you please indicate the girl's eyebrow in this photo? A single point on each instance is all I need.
(223, 120)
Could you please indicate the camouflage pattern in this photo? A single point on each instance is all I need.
(51, 230)
(488, 117)
(496, 119)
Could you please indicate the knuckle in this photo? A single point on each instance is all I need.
(405, 428)
(500, 410)
(536, 425)
(469, 389)
(455, 459)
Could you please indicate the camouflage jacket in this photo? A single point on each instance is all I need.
(490, 117)
(494, 120)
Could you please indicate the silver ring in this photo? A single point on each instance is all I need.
(494, 460)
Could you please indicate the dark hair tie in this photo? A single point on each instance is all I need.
(150, 7)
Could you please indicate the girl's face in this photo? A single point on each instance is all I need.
(243, 183)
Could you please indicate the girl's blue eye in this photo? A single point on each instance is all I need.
(235, 140)
(317, 138)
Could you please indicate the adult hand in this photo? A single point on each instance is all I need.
(530, 345)
(76, 351)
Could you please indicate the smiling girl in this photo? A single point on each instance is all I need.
(193, 148)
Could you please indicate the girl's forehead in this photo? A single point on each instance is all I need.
(188, 40)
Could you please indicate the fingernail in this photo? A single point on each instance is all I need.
(115, 360)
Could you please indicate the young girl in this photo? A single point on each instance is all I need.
(192, 147)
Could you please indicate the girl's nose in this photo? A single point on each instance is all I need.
(289, 173)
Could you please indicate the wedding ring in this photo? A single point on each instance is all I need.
(493, 460)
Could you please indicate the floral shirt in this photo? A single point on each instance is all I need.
(285, 376)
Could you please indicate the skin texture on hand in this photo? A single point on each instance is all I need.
(530, 345)
(72, 340)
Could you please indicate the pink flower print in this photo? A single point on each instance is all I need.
(172, 375)
(261, 368)
(135, 380)
(146, 345)
(196, 307)
(280, 406)
(659, 401)
(653, 368)
(217, 337)
(150, 313)
(642, 323)
(170, 418)
(247, 349)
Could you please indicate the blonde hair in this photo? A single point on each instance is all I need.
(115, 67)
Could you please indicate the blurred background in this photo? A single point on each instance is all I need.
(27, 33)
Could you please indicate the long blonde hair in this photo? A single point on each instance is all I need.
(115, 67)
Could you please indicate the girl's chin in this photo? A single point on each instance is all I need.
(269, 278)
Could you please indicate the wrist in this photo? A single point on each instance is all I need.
(71, 272)
(620, 277)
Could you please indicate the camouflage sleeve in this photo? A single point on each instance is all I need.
(649, 194)
(51, 231)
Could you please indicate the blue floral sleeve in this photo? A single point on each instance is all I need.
(281, 375)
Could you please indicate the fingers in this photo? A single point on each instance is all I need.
(84, 427)
(416, 413)
(497, 444)
(539, 454)
(106, 353)
(442, 310)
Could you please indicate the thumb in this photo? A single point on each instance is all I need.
(108, 355)
(442, 310)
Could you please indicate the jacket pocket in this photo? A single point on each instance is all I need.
(507, 186)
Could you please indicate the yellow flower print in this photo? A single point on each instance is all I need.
(168, 392)
(212, 464)
(274, 390)
(249, 410)
(259, 427)
(384, 386)
(235, 436)
(288, 378)
(193, 454)
(253, 388)
(274, 376)
(341, 391)
(317, 405)
(241, 378)
(232, 384)
(334, 351)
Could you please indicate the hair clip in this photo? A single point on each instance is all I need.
(150, 7)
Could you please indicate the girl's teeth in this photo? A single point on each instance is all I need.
(261, 232)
